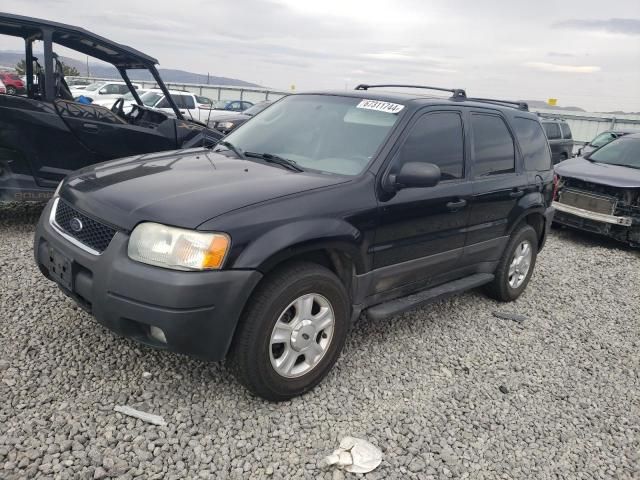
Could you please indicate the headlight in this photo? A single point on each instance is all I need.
(178, 248)
(225, 125)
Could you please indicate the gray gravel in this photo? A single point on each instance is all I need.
(449, 391)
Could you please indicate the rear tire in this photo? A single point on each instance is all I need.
(292, 331)
(11, 90)
(516, 265)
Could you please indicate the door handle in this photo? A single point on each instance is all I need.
(516, 193)
(90, 127)
(457, 204)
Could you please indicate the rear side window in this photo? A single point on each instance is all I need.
(436, 138)
(552, 130)
(188, 101)
(533, 144)
(566, 131)
(492, 146)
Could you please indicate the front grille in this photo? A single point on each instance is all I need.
(93, 234)
(587, 201)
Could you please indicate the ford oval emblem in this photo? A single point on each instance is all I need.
(75, 224)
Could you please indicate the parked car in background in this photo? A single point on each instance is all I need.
(13, 83)
(266, 248)
(233, 105)
(600, 191)
(102, 90)
(603, 139)
(128, 98)
(184, 100)
(204, 102)
(226, 122)
(3, 89)
(560, 138)
(78, 83)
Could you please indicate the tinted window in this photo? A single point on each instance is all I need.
(492, 145)
(436, 138)
(533, 144)
(552, 130)
(566, 131)
(602, 139)
(188, 101)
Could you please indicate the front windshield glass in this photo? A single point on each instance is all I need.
(94, 86)
(602, 139)
(257, 108)
(331, 134)
(624, 151)
(151, 98)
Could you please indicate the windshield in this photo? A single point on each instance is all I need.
(128, 97)
(624, 151)
(257, 108)
(94, 86)
(151, 98)
(320, 132)
(602, 139)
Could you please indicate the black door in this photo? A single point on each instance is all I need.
(108, 136)
(554, 135)
(498, 185)
(421, 233)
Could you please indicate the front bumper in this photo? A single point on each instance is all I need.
(196, 311)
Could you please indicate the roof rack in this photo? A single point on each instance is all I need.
(457, 93)
(504, 103)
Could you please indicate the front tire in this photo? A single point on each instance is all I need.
(292, 331)
(11, 91)
(516, 265)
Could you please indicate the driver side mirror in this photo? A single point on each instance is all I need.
(415, 175)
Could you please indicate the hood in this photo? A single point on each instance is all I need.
(182, 188)
(601, 173)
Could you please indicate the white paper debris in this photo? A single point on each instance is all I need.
(355, 455)
(147, 417)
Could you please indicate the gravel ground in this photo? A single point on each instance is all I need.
(448, 391)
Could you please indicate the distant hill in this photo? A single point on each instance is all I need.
(541, 104)
(11, 58)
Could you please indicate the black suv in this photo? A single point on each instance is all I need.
(264, 249)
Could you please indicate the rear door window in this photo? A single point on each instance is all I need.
(493, 147)
(552, 130)
(188, 101)
(533, 144)
(436, 138)
(566, 131)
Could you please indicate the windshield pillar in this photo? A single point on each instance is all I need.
(28, 54)
(125, 77)
(165, 90)
(49, 87)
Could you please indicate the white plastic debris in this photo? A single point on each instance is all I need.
(355, 455)
(147, 417)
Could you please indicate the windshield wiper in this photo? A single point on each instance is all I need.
(283, 162)
(231, 147)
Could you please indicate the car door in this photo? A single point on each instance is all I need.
(498, 183)
(421, 231)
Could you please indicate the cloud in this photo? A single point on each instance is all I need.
(560, 54)
(554, 67)
(624, 26)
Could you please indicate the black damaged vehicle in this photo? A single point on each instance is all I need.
(264, 249)
(600, 191)
(45, 134)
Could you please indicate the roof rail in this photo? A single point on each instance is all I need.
(457, 93)
(504, 103)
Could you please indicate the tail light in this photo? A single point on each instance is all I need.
(556, 184)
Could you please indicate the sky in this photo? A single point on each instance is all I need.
(583, 53)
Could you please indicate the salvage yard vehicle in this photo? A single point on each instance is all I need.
(102, 90)
(45, 135)
(603, 139)
(600, 192)
(265, 248)
(226, 122)
(560, 138)
(13, 83)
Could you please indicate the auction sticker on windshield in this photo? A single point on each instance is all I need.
(379, 106)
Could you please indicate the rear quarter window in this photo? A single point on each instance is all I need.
(533, 144)
(566, 131)
(552, 130)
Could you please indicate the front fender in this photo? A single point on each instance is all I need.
(285, 241)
